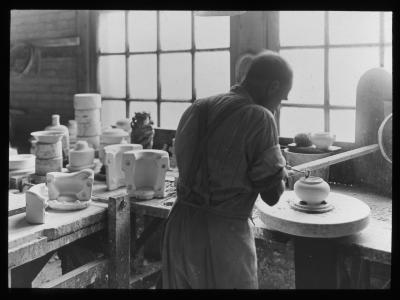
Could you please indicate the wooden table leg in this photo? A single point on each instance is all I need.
(315, 263)
(119, 242)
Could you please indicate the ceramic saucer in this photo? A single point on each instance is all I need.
(144, 194)
(76, 169)
(302, 206)
(66, 205)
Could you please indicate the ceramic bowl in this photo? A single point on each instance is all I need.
(322, 140)
(47, 136)
(21, 162)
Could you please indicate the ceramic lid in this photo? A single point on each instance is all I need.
(87, 101)
(114, 132)
(311, 180)
(82, 146)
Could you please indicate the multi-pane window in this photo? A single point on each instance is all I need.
(329, 52)
(160, 61)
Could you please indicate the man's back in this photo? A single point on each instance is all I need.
(232, 148)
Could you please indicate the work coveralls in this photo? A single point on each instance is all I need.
(227, 152)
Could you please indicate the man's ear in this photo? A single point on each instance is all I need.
(274, 87)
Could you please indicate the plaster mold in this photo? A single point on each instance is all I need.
(36, 202)
(111, 136)
(145, 172)
(70, 191)
(81, 157)
(48, 151)
(87, 115)
(115, 177)
(56, 126)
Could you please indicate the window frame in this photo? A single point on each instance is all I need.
(326, 46)
(128, 53)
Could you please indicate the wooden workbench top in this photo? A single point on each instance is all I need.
(58, 223)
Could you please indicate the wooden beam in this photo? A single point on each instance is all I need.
(119, 241)
(40, 246)
(337, 158)
(81, 277)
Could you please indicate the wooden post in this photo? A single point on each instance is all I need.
(119, 242)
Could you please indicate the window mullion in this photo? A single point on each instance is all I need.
(127, 95)
(158, 72)
(326, 71)
(193, 51)
(381, 40)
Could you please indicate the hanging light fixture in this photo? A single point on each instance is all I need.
(218, 13)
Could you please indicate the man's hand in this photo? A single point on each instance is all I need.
(272, 195)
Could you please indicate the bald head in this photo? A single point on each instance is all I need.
(268, 66)
(268, 79)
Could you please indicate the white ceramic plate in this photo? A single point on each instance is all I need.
(21, 161)
(76, 205)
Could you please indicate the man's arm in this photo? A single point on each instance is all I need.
(267, 165)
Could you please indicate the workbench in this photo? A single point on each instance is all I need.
(31, 246)
(122, 222)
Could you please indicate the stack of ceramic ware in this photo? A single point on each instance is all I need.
(48, 152)
(73, 132)
(87, 115)
(125, 124)
(56, 126)
(82, 157)
(111, 136)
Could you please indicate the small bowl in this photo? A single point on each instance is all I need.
(47, 136)
(21, 162)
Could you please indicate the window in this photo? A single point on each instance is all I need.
(329, 52)
(160, 61)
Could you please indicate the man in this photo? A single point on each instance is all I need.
(227, 153)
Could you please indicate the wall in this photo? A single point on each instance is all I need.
(34, 97)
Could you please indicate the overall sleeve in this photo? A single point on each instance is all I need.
(266, 163)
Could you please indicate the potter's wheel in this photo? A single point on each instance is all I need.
(299, 205)
(347, 216)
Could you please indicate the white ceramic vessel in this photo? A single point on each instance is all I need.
(115, 177)
(56, 126)
(82, 155)
(322, 140)
(36, 202)
(70, 187)
(145, 173)
(312, 190)
(21, 162)
(47, 137)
